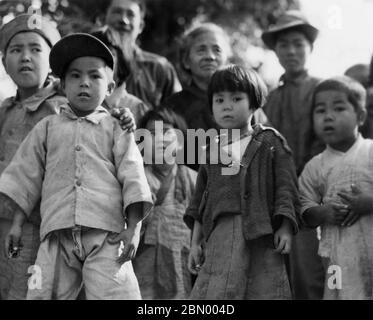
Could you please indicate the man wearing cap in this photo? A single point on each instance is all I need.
(152, 77)
(90, 176)
(289, 110)
(25, 58)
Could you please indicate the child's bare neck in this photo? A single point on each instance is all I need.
(82, 113)
(163, 169)
(25, 93)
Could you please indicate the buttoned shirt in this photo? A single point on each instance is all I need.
(86, 170)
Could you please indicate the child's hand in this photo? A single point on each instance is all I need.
(335, 213)
(131, 239)
(13, 244)
(195, 259)
(126, 118)
(358, 202)
(283, 237)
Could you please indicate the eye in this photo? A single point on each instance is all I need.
(237, 98)
(74, 75)
(219, 100)
(36, 50)
(319, 110)
(14, 50)
(96, 76)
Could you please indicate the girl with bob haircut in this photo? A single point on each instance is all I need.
(242, 222)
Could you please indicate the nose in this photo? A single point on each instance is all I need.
(328, 115)
(124, 19)
(84, 83)
(228, 106)
(291, 49)
(210, 54)
(25, 55)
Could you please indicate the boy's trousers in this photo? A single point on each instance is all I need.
(69, 258)
(14, 273)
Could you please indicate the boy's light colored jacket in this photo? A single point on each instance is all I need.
(86, 171)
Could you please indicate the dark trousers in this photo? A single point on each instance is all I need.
(306, 271)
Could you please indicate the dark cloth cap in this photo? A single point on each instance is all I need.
(27, 23)
(75, 46)
(291, 19)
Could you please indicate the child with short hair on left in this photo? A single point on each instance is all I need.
(242, 219)
(336, 189)
(90, 177)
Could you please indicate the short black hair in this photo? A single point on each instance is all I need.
(165, 115)
(141, 3)
(236, 78)
(356, 93)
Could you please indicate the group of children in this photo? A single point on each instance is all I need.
(78, 203)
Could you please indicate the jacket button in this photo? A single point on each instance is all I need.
(78, 183)
(246, 196)
(78, 148)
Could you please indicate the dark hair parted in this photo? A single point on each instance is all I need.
(235, 78)
(355, 92)
(165, 115)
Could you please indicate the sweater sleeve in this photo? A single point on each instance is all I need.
(196, 206)
(286, 202)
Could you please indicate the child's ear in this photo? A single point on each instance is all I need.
(361, 117)
(110, 87)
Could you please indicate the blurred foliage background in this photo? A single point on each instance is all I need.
(166, 20)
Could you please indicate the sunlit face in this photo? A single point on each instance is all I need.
(293, 49)
(208, 53)
(27, 60)
(335, 120)
(87, 82)
(231, 110)
(125, 17)
(163, 143)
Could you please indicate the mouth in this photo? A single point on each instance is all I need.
(25, 69)
(328, 129)
(228, 118)
(209, 67)
(84, 95)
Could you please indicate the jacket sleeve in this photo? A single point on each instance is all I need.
(196, 206)
(130, 171)
(286, 202)
(22, 180)
(308, 187)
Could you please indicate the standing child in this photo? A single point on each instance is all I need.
(336, 189)
(90, 177)
(25, 59)
(246, 220)
(161, 264)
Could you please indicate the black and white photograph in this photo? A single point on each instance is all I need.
(187, 153)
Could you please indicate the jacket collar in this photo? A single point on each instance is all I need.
(95, 117)
(32, 103)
